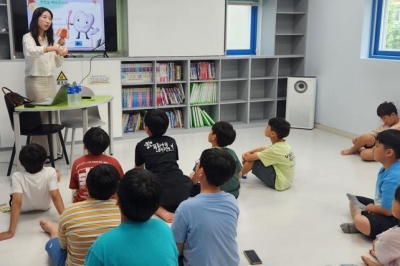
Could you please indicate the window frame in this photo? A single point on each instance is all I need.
(376, 33)
(253, 36)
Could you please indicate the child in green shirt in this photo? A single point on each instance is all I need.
(274, 165)
(221, 135)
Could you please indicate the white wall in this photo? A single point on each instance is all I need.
(349, 88)
(12, 76)
(176, 27)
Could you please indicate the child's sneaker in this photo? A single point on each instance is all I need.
(244, 176)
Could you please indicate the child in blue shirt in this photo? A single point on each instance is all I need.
(140, 240)
(205, 226)
(374, 216)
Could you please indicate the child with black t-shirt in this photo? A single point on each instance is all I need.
(159, 154)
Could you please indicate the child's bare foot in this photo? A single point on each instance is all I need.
(58, 175)
(372, 252)
(49, 227)
(165, 215)
(368, 261)
(346, 152)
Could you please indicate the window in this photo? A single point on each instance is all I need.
(241, 29)
(385, 33)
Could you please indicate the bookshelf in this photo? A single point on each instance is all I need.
(248, 90)
(285, 22)
(245, 90)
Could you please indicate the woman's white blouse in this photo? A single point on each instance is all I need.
(39, 63)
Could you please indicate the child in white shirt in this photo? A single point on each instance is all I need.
(34, 188)
(386, 248)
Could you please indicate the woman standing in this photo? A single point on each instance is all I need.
(42, 58)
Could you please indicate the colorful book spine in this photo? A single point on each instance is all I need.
(137, 73)
(199, 117)
(201, 93)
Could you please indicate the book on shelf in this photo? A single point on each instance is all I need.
(199, 117)
(202, 71)
(170, 95)
(137, 97)
(175, 118)
(167, 72)
(136, 73)
(201, 93)
(133, 122)
(208, 118)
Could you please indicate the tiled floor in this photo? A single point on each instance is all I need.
(299, 226)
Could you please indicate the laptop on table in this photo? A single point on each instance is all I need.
(60, 97)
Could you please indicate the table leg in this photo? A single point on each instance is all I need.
(17, 136)
(85, 124)
(54, 137)
(110, 127)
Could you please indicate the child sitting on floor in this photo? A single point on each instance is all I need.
(364, 143)
(33, 188)
(222, 135)
(159, 154)
(386, 249)
(274, 165)
(96, 141)
(374, 216)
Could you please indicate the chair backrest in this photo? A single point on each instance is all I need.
(28, 120)
(93, 111)
(77, 113)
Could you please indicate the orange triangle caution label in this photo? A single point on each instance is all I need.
(61, 76)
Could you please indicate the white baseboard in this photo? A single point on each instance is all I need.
(335, 131)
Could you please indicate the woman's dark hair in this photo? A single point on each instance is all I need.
(34, 26)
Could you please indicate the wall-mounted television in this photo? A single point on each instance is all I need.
(85, 24)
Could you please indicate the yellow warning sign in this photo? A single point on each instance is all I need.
(62, 79)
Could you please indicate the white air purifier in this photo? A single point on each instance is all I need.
(300, 101)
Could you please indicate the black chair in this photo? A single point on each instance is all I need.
(31, 125)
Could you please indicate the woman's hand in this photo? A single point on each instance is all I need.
(61, 42)
(62, 51)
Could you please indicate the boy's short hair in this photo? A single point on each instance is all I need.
(96, 140)
(225, 133)
(390, 139)
(102, 181)
(386, 108)
(218, 165)
(156, 121)
(139, 195)
(32, 157)
(280, 126)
